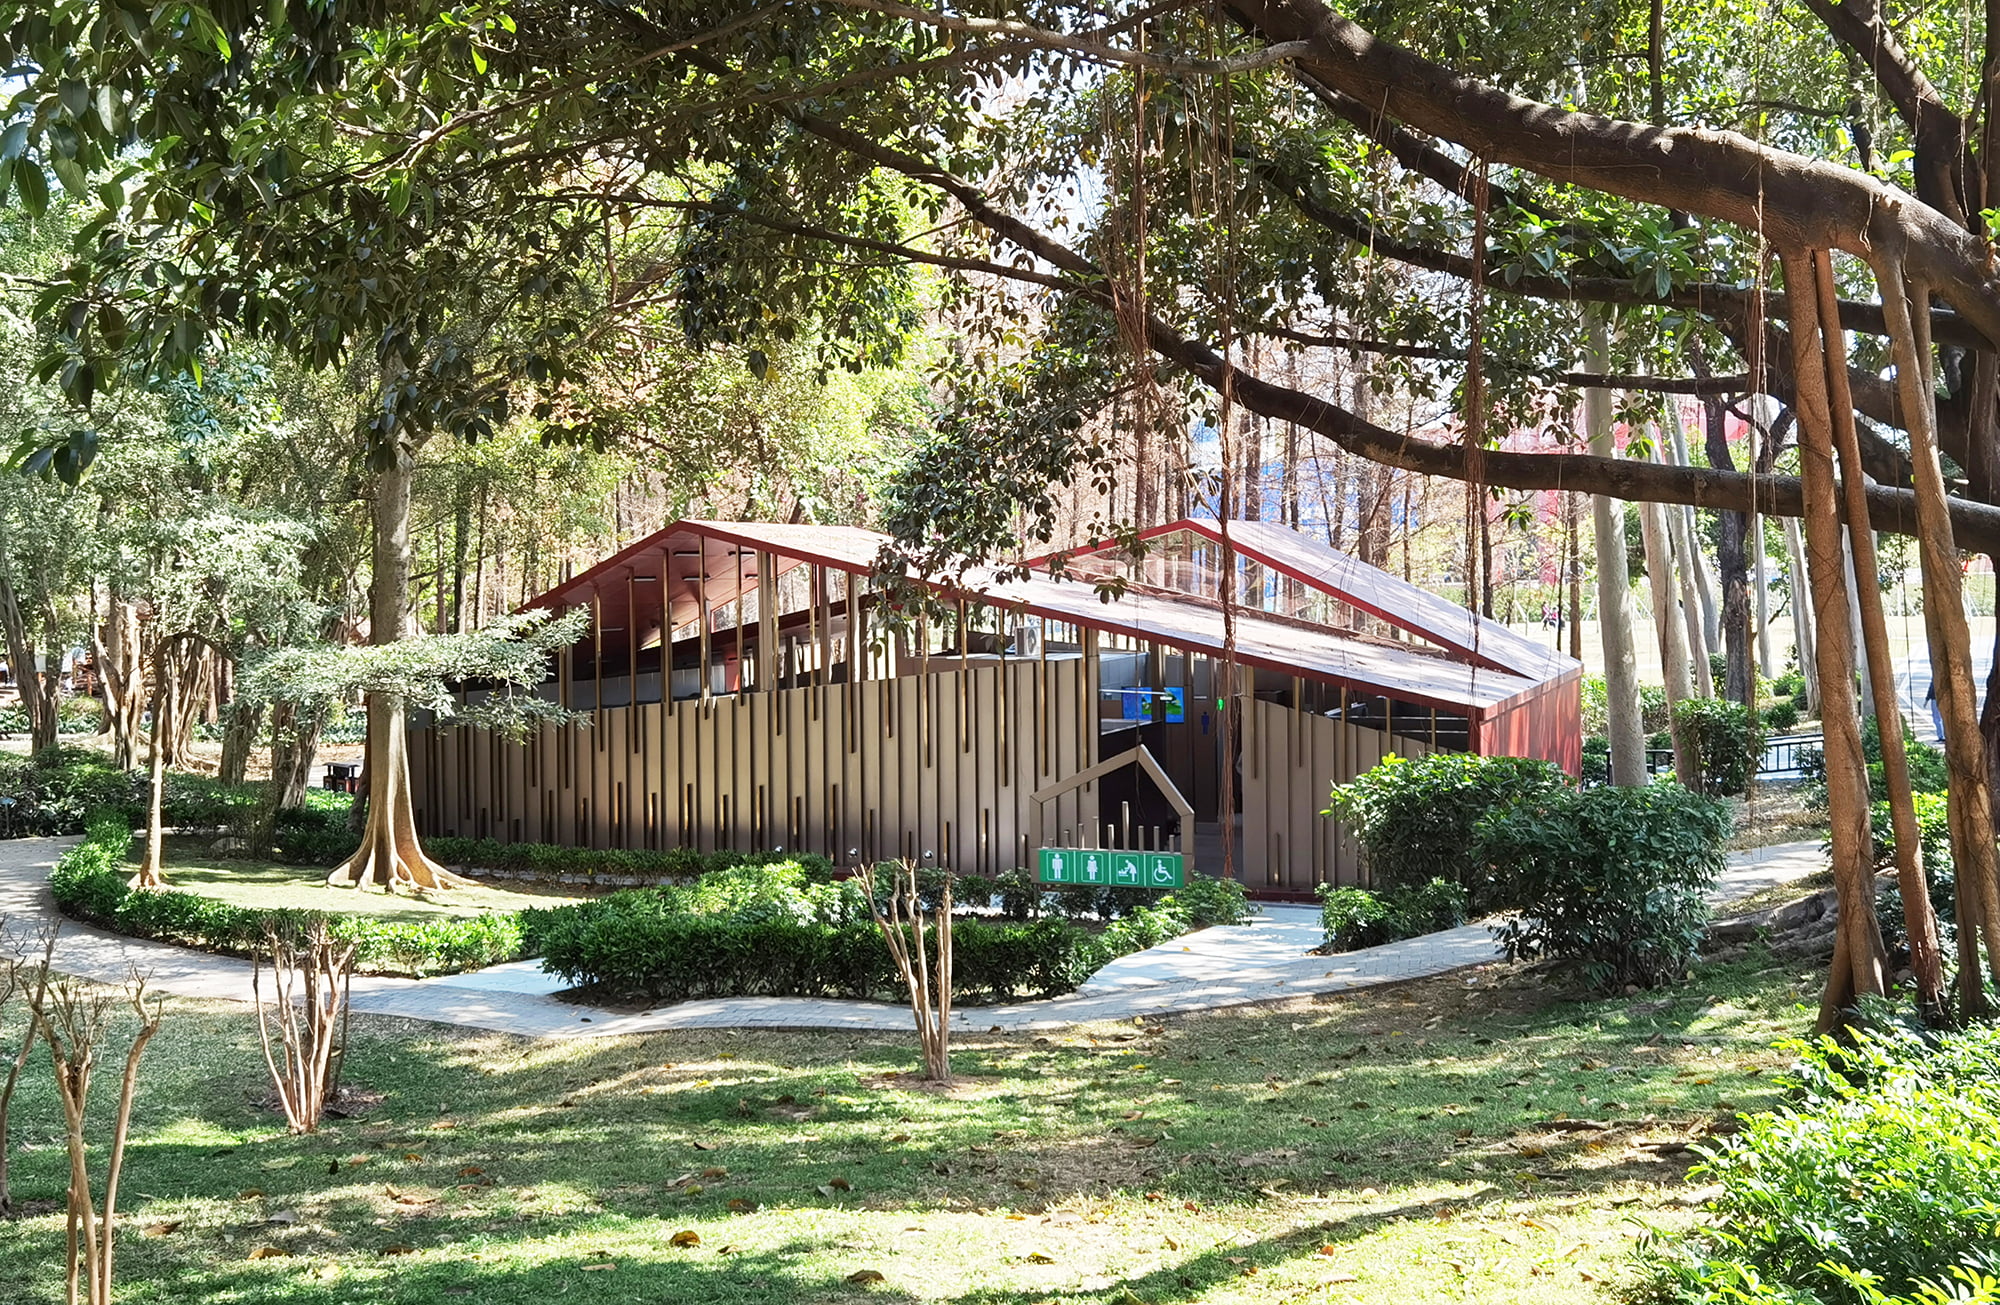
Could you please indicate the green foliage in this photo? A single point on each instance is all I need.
(1781, 715)
(1934, 835)
(89, 883)
(53, 792)
(1356, 917)
(772, 930)
(546, 860)
(1206, 902)
(1878, 1185)
(1609, 881)
(1727, 741)
(1596, 704)
(508, 657)
(1653, 714)
(1596, 760)
(1416, 820)
(1789, 685)
(316, 832)
(1928, 770)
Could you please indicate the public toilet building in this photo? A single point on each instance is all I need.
(744, 687)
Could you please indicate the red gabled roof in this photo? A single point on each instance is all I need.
(1484, 668)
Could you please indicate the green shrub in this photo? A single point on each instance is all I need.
(1781, 715)
(1355, 917)
(1609, 881)
(53, 792)
(1020, 894)
(1881, 1177)
(1596, 704)
(1415, 820)
(1596, 760)
(1653, 715)
(89, 882)
(1928, 771)
(1206, 902)
(79, 715)
(1727, 741)
(1789, 685)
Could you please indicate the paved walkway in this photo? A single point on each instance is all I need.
(1268, 959)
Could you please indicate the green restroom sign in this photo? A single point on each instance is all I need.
(1113, 869)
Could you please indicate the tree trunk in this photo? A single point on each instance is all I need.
(1696, 573)
(38, 692)
(1678, 543)
(1854, 583)
(1733, 568)
(390, 855)
(1802, 613)
(1926, 962)
(1760, 562)
(246, 722)
(1671, 632)
(1971, 816)
(1623, 727)
(115, 644)
(294, 741)
(1858, 962)
(151, 868)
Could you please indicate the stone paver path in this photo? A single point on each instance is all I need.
(1268, 959)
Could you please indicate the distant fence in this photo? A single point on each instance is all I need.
(1780, 759)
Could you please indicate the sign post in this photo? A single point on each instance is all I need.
(1112, 868)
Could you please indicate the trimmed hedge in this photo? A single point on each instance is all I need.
(778, 933)
(89, 883)
(531, 860)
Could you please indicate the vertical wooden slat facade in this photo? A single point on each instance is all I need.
(781, 769)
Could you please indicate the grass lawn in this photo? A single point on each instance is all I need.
(1399, 1144)
(189, 868)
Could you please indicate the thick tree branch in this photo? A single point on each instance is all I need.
(1718, 385)
(1792, 199)
(1724, 302)
(1976, 525)
(1939, 134)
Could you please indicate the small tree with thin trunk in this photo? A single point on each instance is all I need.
(27, 980)
(310, 977)
(498, 668)
(73, 1017)
(920, 943)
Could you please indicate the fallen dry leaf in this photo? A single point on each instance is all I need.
(865, 1277)
(1038, 1257)
(597, 1268)
(398, 1249)
(713, 1172)
(685, 1237)
(742, 1205)
(163, 1229)
(269, 1253)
